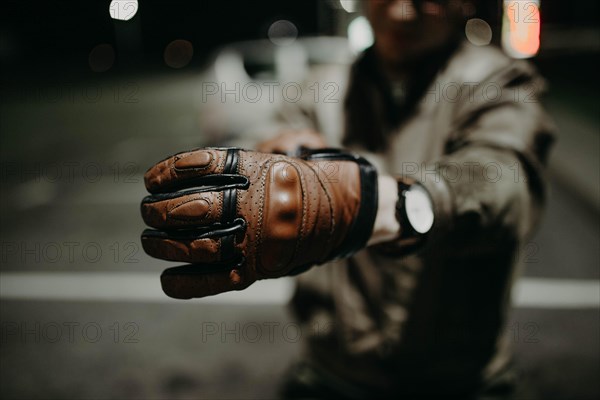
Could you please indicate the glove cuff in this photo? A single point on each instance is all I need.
(361, 229)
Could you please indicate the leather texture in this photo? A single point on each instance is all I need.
(238, 216)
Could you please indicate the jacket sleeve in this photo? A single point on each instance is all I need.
(490, 183)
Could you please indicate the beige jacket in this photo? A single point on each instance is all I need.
(478, 139)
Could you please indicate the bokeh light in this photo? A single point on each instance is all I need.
(360, 34)
(178, 53)
(521, 28)
(123, 10)
(478, 32)
(282, 32)
(102, 57)
(349, 5)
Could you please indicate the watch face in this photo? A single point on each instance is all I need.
(419, 209)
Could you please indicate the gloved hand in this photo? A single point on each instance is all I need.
(239, 216)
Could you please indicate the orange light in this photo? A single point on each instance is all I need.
(521, 28)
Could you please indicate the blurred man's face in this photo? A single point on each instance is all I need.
(405, 30)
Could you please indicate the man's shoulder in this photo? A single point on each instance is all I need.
(477, 64)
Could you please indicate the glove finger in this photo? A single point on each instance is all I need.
(183, 169)
(193, 281)
(192, 251)
(200, 208)
(194, 246)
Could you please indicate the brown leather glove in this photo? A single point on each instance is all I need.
(239, 216)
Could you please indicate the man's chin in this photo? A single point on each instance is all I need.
(397, 55)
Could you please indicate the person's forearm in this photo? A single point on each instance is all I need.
(482, 192)
(386, 226)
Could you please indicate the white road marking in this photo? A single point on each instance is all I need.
(145, 287)
(116, 286)
(556, 293)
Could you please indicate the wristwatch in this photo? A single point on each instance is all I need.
(414, 212)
